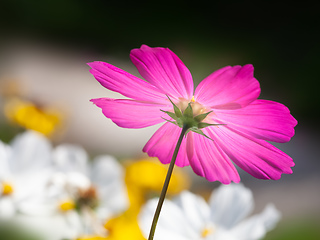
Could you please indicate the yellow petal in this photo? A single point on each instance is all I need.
(26, 114)
(124, 227)
(92, 238)
(149, 174)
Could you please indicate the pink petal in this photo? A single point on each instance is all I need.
(162, 68)
(130, 113)
(228, 88)
(208, 160)
(257, 157)
(262, 119)
(163, 143)
(115, 79)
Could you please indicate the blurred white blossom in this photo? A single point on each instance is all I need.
(85, 194)
(25, 166)
(58, 192)
(189, 217)
(63, 195)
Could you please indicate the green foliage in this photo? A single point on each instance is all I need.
(296, 230)
(10, 231)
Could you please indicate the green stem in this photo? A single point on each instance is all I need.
(166, 184)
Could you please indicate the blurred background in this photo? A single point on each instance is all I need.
(45, 45)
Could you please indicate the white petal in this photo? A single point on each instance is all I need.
(30, 193)
(270, 216)
(257, 226)
(7, 208)
(108, 176)
(221, 234)
(56, 186)
(31, 152)
(4, 158)
(230, 204)
(172, 223)
(27, 185)
(70, 158)
(195, 209)
(74, 224)
(76, 181)
(106, 168)
(55, 227)
(37, 207)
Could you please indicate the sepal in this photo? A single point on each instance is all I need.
(199, 131)
(201, 117)
(203, 124)
(187, 120)
(188, 112)
(171, 114)
(177, 110)
(175, 123)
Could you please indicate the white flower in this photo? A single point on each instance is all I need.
(85, 194)
(24, 170)
(189, 217)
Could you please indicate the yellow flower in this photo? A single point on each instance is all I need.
(148, 174)
(124, 227)
(143, 178)
(27, 115)
(92, 238)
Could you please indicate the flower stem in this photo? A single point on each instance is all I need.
(166, 184)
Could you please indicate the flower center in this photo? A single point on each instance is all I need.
(7, 188)
(189, 115)
(88, 197)
(82, 198)
(196, 107)
(207, 231)
(67, 205)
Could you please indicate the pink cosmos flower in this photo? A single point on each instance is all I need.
(230, 93)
